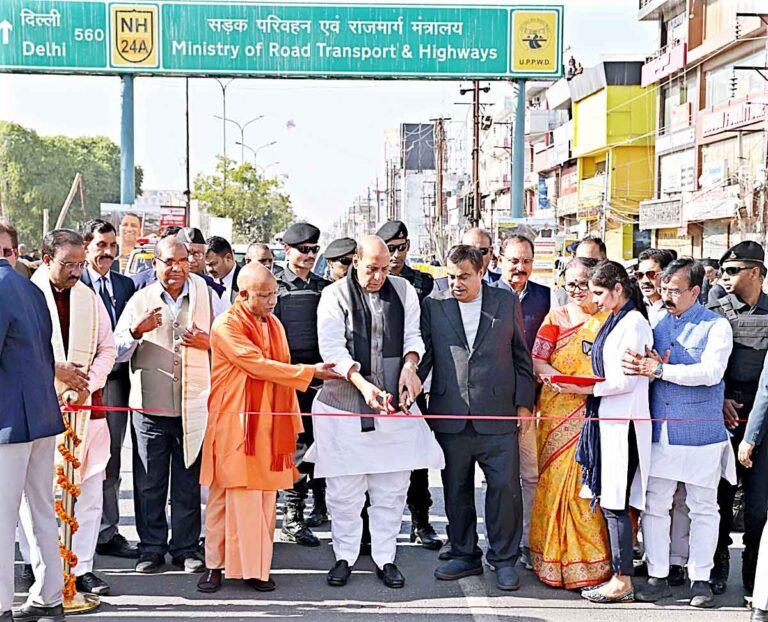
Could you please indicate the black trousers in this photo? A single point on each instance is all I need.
(755, 483)
(620, 533)
(158, 457)
(419, 498)
(499, 459)
(301, 487)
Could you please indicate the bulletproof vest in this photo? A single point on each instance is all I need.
(750, 344)
(422, 282)
(297, 310)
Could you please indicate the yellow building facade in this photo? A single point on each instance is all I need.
(614, 137)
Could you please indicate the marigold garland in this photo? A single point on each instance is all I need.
(68, 487)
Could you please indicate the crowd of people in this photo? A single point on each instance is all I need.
(607, 414)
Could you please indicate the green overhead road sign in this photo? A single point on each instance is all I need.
(169, 37)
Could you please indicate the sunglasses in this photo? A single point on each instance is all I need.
(344, 261)
(484, 250)
(7, 252)
(650, 275)
(397, 248)
(307, 250)
(734, 270)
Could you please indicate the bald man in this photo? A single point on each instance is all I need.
(251, 378)
(368, 325)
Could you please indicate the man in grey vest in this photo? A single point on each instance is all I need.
(164, 333)
(746, 308)
(298, 295)
(690, 442)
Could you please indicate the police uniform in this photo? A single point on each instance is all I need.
(296, 309)
(419, 498)
(750, 345)
(337, 249)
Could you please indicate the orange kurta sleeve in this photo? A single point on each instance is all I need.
(249, 358)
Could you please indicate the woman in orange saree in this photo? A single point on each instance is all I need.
(568, 541)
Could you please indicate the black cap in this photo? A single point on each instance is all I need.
(392, 230)
(744, 251)
(340, 248)
(191, 235)
(301, 232)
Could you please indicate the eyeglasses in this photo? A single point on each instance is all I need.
(7, 252)
(673, 293)
(650, 275)
(306, 250)
(344, 261)
(172, 263)
(734, 270)
(397, 248)
(572, 287)
(72, 265)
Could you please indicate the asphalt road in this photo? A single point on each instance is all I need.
(302, 593)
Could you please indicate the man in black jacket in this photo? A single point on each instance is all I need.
(470, 332)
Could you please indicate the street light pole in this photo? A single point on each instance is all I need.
(242, 127)
(255, 152)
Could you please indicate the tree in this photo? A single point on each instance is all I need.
(257, 205)
(36, 173)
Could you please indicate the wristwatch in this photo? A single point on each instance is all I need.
(659, 371)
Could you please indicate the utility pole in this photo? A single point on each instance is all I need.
(476, 214)
(517, 179)
(440, 216)
(188, 193)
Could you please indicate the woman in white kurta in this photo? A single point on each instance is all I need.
(625, 429)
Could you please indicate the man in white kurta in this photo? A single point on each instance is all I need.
(690, 441)
(368, 324)
(84, 351)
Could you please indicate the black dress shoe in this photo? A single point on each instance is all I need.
(426, 536)
(150, 563)
(33, 613)
(89, 583)
(676, 575)
(27, 574)
(655, 589)
(759, 615)
(701, 595)
(210, 581)
(339, 574)
(458, 569)
(118, 546)
(261, 586)
(189, 562)
(391, 576)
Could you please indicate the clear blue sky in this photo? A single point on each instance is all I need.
(336, 148)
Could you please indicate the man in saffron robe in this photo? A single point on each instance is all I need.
(250, 440)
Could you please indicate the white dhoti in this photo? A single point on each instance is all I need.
(379, 462)
(89, 505)
(699, 469)
(529, 476)
(32, 464)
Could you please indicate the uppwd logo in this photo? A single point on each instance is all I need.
(535, 41)
(134, 36)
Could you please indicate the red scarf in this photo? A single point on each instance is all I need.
(262, 398)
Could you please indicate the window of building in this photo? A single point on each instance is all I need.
(719, 16)
(722, 80)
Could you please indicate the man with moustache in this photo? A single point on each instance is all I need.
(114, 290)
(470, 332)
(395, 236)
(84, 350)
(517, 253)
(746, 308)
(652, 263)
(221, 265)
(692, 345)
(164, 333)
(130, 230)
(258, 252)
(297, 299)
(482, 241)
